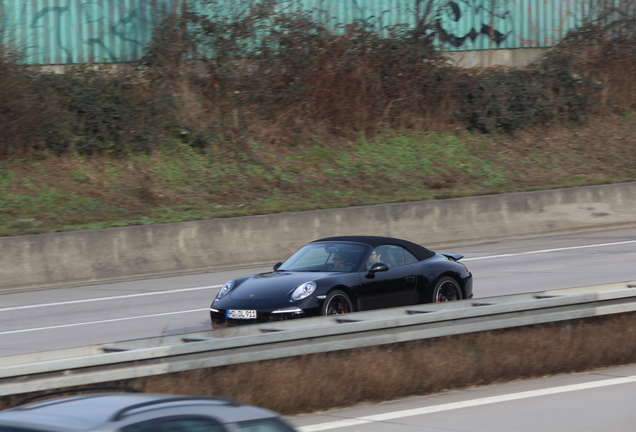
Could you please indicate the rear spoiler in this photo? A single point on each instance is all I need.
(452, 255)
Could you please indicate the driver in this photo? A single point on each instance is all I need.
(337, 260)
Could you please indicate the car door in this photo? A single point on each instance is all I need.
(392, 288)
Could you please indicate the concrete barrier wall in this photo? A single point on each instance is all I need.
(137, 251)
(499, 57)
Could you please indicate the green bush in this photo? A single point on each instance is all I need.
(27, 116)
(103, 113)
(504, 100)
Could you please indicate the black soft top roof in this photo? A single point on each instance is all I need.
(420, 252)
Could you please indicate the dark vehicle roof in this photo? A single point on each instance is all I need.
(420, 252)
(90, 411)
(82, 412)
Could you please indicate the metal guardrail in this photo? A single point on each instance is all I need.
(161, 355)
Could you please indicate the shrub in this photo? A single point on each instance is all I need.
(504, 100)
(286, 67)
(103, 112)
(238, 72)
(27, 117)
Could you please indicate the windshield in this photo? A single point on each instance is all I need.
(327, 256)
(265, 425)
(16, 429)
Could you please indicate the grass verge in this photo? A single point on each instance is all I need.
(74, 192)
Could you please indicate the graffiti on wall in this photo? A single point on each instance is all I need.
(81, 31)
(458, 23)
(462, 22)
(73, 32)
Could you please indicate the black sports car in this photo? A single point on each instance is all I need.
(338, 275)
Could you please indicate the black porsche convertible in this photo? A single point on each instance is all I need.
(338, 275)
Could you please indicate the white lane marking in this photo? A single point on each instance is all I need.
(218, 286)
(465, 404)
(13, 308)
(100, 322)
(548, 250)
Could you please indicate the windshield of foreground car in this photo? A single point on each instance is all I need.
(265, 425)
(327, 256)
(16, 429)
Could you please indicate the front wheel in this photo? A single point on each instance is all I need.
(446, 289)
(336, 303)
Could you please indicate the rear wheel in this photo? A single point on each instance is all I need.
(446, 289)
(336, 303)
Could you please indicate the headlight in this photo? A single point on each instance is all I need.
(225, 289)
(304, 291)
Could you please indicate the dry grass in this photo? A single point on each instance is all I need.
(324, 381)
(75, 192)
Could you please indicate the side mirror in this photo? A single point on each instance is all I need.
(378, 267)
(277, 265)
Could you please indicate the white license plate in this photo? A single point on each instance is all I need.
(240, 314)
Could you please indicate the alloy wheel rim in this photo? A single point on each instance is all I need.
(337, 306)
(447, 292)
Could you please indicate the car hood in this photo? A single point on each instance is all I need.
(272, 285)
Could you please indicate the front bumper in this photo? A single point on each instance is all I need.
(219, 316)
(267, 310)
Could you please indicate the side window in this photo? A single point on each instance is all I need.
(408, 256)
(376, 256)
(397, 253)
(176, 424)
(391, 255)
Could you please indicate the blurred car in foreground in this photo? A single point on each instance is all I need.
(139, 412)
(339, 275)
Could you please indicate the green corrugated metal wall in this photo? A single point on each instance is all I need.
(76, 31)
(82, 31)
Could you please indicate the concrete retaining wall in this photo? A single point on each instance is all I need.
(500, 57)
(87, 256)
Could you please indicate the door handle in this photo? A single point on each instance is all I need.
(410, 278)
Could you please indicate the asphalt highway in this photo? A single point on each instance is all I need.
(62, 317)
(587, 402)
